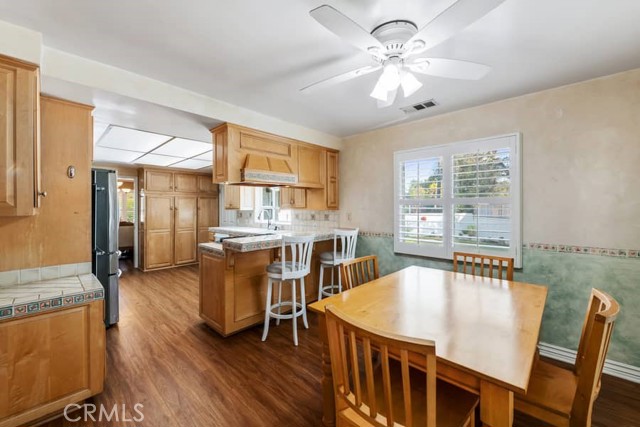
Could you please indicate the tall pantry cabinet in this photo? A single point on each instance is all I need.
(175, 210)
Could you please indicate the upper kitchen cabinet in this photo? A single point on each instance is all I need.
(185, 183)
(206, 185)
(157, 180)
(239, 197)
(311, 163)
(20, 191)
(243, 155)
(173, 181)
(328, 197)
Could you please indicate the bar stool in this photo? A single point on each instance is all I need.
(289, 271)
(348, 239)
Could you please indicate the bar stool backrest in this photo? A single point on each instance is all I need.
(300, 252)
(348, 239)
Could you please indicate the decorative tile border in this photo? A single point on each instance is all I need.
(585, 250)
(50, 304)
(550, 247)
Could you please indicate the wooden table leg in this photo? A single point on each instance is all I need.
(496, 405)
(328, 402)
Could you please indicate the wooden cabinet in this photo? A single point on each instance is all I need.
(50, 360)
(185, 183)
(207, 217)
(174, 221)
(156, 180)
(293, 198)
(327, 198)
(185, 229)
(239, 197)
(206, 185)
(332, 183)
(311, 161)
(158, 231)
(19, 138)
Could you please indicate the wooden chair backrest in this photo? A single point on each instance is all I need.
(592, 351)
(361, 270)
(483, 265)
(345, 336)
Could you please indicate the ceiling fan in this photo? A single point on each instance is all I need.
(394, 45)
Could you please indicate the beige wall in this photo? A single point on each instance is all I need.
(581, 161)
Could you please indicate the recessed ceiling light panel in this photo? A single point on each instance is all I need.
(180, 147)
(131, 139)
(157, 160)
(192, 164)
(208, 156)
(101, 154)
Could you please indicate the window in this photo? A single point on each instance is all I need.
(459, 197)
(126, 201)
(267, 208)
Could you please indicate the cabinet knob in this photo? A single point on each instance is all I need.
(42, 193)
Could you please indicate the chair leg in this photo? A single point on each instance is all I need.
(279, 301)
(320, 282)
(303, 300)
(293, 308)
(339, 278)
(332, 282)
(267, 311)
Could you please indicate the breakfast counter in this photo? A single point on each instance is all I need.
(233, 277)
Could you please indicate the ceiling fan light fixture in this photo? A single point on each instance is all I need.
(390, 77)
(409, 83)
(379, 92)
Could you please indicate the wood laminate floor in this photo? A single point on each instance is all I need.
(162, 356)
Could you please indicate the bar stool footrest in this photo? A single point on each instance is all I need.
(275, 315)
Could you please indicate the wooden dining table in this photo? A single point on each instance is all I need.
(486, 330)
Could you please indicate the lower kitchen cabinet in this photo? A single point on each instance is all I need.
(50, 360)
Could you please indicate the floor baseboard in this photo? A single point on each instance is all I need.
(616, 369)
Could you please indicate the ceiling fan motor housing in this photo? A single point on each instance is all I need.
(393, 35)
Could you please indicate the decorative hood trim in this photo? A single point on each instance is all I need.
(263, 170)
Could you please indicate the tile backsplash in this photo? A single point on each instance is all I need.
(300, 220)
(16, 277)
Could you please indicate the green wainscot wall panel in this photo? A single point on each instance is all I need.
(569, 277)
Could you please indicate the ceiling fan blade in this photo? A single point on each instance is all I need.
(347, 29)
(455, 18)
(449, 68)
(391, 97)
(340, 78)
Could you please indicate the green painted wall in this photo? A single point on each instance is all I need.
(569, 277)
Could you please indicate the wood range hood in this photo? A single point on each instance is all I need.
(265, 171)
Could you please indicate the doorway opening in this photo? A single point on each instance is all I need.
(128, 223)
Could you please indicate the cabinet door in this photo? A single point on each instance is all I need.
(286, 198)
(158, 231)
(158, 181)
(186, 217)
(332, 186)
(19, 139)
(247, 195)
(231, 197)
(299, 198)
(310, 167)
(207, 217)
(220, 159)
(206, 184)
(185, 183)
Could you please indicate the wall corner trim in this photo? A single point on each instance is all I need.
(613, 368)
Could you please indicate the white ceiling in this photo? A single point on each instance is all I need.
(258, 54)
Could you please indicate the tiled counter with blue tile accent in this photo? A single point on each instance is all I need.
(52, 342)
(30, 298)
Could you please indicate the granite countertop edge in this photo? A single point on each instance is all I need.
(255, 243)
(23, 299)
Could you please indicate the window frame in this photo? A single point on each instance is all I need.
(513, 141)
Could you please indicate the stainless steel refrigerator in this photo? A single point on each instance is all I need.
(104, 230)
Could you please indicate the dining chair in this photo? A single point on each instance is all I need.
(344, 249)
(375, 386)
(564, 397)
(361, 270)
(483, 265)
(299, 248)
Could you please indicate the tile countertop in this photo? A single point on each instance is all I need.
(256, 243)
(29, 298)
